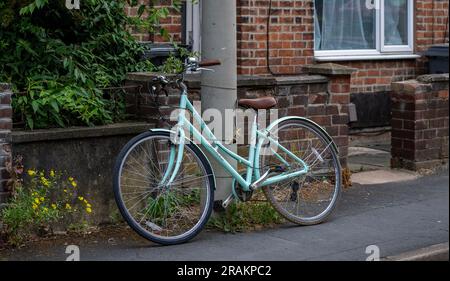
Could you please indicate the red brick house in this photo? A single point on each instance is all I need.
(383, 39)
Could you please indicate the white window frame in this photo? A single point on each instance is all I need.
(398, 48)
(382, 51)
(193, 25)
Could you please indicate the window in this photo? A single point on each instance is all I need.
(363, 27)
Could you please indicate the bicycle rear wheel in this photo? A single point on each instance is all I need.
(310, 198)
(161, 212)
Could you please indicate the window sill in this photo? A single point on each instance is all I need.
(366, 57)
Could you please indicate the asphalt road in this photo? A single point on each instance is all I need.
(396, 217)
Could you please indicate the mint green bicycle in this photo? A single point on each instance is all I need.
(164, 183)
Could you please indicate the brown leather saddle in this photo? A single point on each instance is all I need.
(258, 103)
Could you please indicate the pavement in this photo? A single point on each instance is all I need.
(371, 220)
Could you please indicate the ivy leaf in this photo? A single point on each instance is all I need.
(55, 106)
(35, 106)
(40, 3)
(30, 122)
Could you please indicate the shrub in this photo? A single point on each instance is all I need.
(54, 56)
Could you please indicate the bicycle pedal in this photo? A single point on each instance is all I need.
(227, 201)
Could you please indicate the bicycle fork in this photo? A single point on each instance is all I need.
(175, 158)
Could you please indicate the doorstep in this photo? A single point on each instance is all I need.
(383, 176)
(371, 165)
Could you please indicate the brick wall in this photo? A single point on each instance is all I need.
(377, 76)
(431, 23)
(172, 23)
(420, 122)
(5, 133)
(291, 38)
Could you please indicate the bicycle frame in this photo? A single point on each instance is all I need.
(213, 146)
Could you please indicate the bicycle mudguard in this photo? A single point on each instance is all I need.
(329, 138)
(201, 151)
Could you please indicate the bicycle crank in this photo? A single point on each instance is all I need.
(240, 193)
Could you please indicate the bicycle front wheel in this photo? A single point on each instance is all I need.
(160, 211)
(310, 198)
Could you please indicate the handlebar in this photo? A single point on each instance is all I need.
(209, 63)
(190, 65)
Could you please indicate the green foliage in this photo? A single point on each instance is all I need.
(49, 102)
(55, 56)
(46, 199)
(175, 65)
(245, 216)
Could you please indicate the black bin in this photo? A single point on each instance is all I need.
(158, 53)
(438, 59)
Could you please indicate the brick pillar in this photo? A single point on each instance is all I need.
(420, 122)
(339, 95)
(5, 133)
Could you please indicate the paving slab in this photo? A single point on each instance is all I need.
(383, 176)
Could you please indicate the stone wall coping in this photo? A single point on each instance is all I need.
(22, 136)
(430, 78)
(410, 87)
(329, 69)
(301, 79)
(193, 81)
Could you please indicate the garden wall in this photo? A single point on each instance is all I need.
(420, 122)
(87, 154)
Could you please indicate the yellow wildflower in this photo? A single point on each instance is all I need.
(41, 174)
(52, 173)
(65, 190)
(89, 210)
(42, 199)
(31, 173)
(80, 198)
(34, 206)
(68, 207)
(70, 179)
(85, 201)
(45, 209)
(88, 205)
(74, 184)
(37, 200)
(44, 181)
(54, 206)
